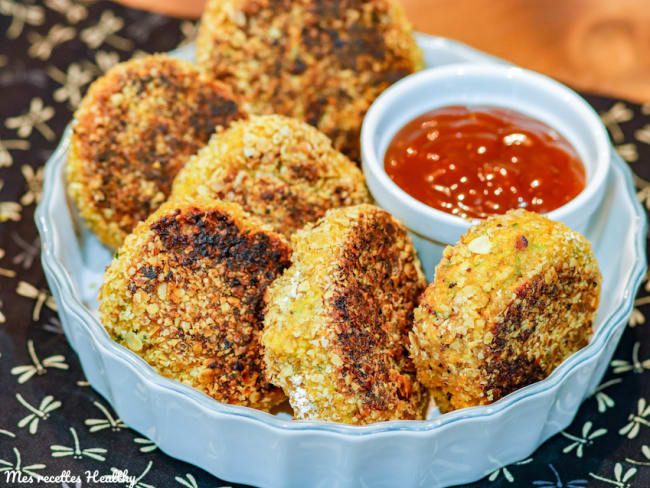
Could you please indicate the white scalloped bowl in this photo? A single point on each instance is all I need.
(243, 445)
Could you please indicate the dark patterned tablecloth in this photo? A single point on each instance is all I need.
(52, 422)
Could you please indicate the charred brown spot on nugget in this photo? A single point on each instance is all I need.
(134, 131)
(324, 61)
(522, 242)
(279, 169)
(202, 270)
(362, 318)
(522, 310)
(337, 324)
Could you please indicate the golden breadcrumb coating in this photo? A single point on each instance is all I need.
(185, 292)
(322, 61)
(280, 169)
(509, 303)
(337, 322)
(133, 132)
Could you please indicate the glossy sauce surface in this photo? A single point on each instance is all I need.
(479, 161)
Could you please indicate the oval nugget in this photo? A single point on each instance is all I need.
(322, 61)
(514, 298)
(337, 321)
(133, 132)
(280, 169)
(186, 293)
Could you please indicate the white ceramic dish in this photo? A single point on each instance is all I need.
(247, 446)
(479, 84)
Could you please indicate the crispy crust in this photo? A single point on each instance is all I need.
(133, 132)
(509, 303)
(186, 294)
(337, 321)
(322, 61)
(280, 169)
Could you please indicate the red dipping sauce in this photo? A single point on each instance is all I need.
(479, 161)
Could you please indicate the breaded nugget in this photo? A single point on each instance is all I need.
(186, 293)
(337, 322)
(280, 169)
(322, 61)
(134, 130)
(509, 303)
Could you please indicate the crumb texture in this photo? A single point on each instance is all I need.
(133, 132)
(280, 169)
(513, 299)
(186, 293)
(322, 61)
(337, 322)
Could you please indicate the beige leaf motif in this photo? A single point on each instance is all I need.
(5, 272)
(34, 185)
(42, 46)
(38, 367)
(617, 114)
(643, 134)
(105, 31)
(108, 422)
(22, 467)
(42, 412)
(645, 450)
(644, 196)
(636, 420)
(628, 152)
(72, 82)
(106, 60)
(74, 12)
(620, 479)
(41, 296)
(190, 30)
(636, 318)
(35, 118)
(5, 156)
(96, 453)
(10, 211)
(21, 14)
(135, 482)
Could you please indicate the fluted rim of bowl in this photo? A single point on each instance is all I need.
(373, 161)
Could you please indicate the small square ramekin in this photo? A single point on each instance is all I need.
(486, 85)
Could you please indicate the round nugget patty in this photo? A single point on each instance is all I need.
(514, 298)
(133, 132)
(280, 169)
(322, 61)
(337, 322)
(186, 293)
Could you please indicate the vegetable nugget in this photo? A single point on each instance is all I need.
(133, 132)
(322, 61)
(186, 293)
(337, 322)
(280, 169)
(509, 303)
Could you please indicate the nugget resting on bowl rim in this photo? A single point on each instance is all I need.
(133, 132)
(322, 61)
(514, 298)
(337, 321)
(185, 292)
(280, 169)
